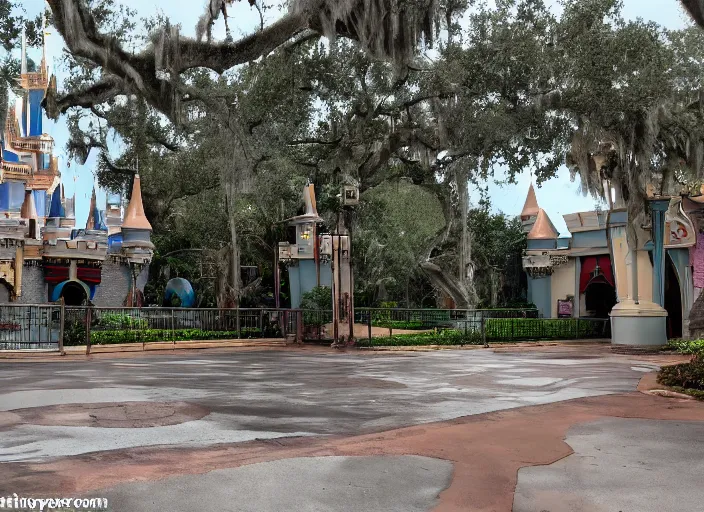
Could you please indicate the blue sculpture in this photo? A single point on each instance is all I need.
(179, 287)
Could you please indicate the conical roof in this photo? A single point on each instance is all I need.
(57, 207)
(135, 217)
(530, 208)
(543, 229)
(29, 209)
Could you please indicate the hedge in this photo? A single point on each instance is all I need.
(108, 337)
(511, 329)
(445, 337)
(398, 324)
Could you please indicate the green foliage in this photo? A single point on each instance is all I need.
(443, 337)
(120, 321)
(687, 346)
(315, 305)
(74, 333)
(396, 222)
(398, 324)
(686, 375)
(510, 329)
(108, 337)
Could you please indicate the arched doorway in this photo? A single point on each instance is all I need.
(74, 294)
(673, 301)
(599, 298)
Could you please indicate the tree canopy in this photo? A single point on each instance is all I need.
(226, 132)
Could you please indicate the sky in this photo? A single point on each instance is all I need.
(557, 196)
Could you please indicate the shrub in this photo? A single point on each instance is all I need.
(444, 337)
(109, 337)
(686, 375)
(687, 346)
(121, 321)
(510, 329)
(315, 304)
(398, 324)
(74, 333)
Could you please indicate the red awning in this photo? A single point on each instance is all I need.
(596, 269)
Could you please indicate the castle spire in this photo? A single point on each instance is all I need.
(135, 217)
(543, 229)
(530, 208)
(90, 222)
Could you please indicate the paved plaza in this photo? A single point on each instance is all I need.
(301, 429)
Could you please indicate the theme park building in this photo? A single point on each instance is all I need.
(43, 256)
(591, 274)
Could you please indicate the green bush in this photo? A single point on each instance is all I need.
(444, 337)
(109, 337)
(687, 346)
(121, 321)
(686, 375)
(316, 305)
(398, 324)
(511, 329)
(74, 333)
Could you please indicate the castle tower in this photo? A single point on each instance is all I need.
(530, 210)
(543, 228)
(136, 230)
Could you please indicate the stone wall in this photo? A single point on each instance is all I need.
(34, 289)
(114, 285)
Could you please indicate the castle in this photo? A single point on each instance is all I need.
(647, 293)
(43, 256)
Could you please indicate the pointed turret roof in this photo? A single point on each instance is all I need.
(530, 208)
(543, 229)
(57, 207)
(90, 222)
(29, 209)
(134, 217)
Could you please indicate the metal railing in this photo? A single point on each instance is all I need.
(459, 327)
(24, 327)
(51, 326)
(98, 325)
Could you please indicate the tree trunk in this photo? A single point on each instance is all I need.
(234, 282)
(466, 267)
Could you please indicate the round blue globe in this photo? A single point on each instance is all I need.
(182, 289)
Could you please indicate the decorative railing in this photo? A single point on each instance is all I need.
(11, 168)
(33, 144)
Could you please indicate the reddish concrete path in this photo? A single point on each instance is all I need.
(487, 450)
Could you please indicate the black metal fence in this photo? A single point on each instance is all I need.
(98, 326)
(26, 327)
(51, 326)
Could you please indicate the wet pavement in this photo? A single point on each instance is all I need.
(257, 395)
(305, 431)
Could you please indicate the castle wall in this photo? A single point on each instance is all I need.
(114, 286)
(562, 284)
(34, 289)
(540, 294)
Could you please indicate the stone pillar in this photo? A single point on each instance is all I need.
(634, 320)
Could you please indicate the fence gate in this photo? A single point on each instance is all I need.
(30, 327)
